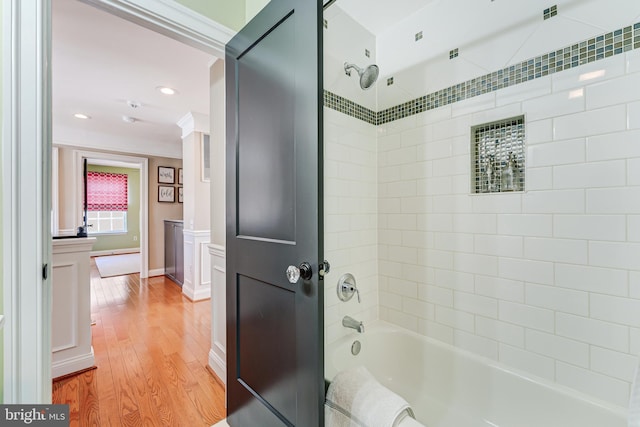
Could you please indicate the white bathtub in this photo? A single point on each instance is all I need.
(448, 387)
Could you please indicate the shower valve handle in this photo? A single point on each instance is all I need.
(347, 287)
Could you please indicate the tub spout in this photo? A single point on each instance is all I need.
(350, 322)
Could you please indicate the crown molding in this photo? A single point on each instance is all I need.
(185, 24)
(193, 122)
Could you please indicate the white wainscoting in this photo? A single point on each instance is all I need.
(218, 352)
(71, 312)
(197, 270)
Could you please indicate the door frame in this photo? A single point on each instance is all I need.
(26, 171)
(142, 164)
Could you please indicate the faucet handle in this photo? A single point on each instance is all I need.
(347, 287)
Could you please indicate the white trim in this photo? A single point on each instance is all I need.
(75, 364)
(173, 20)
(26, 142)
(114, 252)
(195, 295)
(193, 122)
(197, 265)
(114, 163)
(26, 200)
(96, 141)
(218, 365)
(217, 250)
(55, 212)
(218, 351)
(156, 272)
(1, 321)
(138, 162)
(198, 233)
(67, 232)
(72, 307)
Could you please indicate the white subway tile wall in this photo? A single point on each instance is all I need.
(351, 227)
(547, 280)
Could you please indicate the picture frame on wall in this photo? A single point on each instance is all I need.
(180, 179)
(166, 194)
(180, 195)
(166, 175)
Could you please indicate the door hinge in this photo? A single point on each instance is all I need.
(45, 271)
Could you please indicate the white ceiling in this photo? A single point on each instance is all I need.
(99, 62)
(377, 16)
(449, 24)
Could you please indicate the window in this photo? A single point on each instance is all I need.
(107, 202)
(101, 222)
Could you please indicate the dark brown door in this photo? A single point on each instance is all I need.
(274, 218)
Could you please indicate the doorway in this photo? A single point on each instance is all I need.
(26, 199)
(140, 164)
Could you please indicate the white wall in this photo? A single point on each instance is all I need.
(512, 32)
(218, 351)
(350, 218)
(547, 280)
(350, 179)
(347, 41)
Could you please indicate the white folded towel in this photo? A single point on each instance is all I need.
(356, 399)
(409, 422)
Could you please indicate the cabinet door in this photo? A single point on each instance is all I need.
(169, 249)
(179, 250)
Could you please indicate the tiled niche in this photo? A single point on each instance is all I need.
(498, 163)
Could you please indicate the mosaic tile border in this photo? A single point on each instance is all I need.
(350, 108)
(594, 49)
(550, 12)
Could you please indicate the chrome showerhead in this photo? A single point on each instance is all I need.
(368, 76)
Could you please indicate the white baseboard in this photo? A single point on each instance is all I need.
(201, 294)
(218, 365)
(156, 272)
(73, 364)
(115, 252)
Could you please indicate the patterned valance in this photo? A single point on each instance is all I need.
(107, 191)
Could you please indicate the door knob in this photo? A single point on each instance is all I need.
(295, 273)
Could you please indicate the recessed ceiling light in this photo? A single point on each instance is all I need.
(167, 90)
(129, 119)
(81, 116)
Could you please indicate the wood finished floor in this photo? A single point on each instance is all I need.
(151, 347)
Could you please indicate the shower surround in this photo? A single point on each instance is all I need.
(546, 280)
